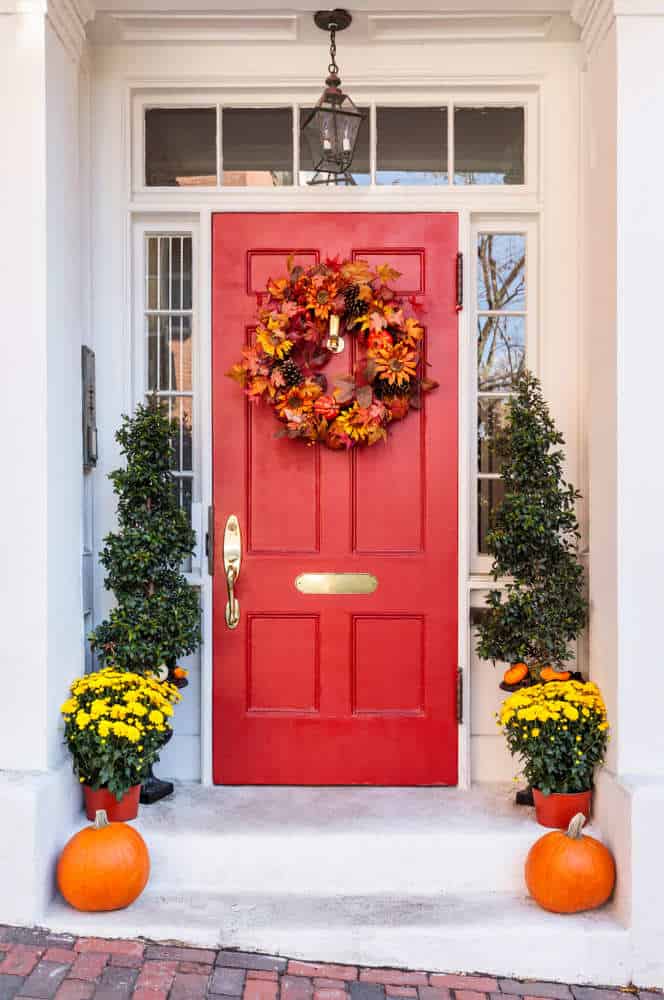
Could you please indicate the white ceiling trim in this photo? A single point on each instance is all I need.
(408, 27)
(68, 18)
(595, 18)
(209, 27)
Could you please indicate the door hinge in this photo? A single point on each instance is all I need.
(459, 282)
(459, 695)
(209, 540)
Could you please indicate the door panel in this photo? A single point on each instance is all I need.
(353, 688)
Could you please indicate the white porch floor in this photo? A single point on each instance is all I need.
(420, 878)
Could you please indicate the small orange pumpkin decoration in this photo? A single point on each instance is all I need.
(515, 674)
(567, 872)
(550, 674)
(103, 867)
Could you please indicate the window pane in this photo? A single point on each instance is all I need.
(411, 146)
(488, 146)
(152, 290)
(501, 271)
(258, 147)
(360, 169)
(180, 147)
(490, 493)
(491, 421)
(501, 342)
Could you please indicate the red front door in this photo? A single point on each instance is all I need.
(355, 688)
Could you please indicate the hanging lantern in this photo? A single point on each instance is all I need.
(332, 127)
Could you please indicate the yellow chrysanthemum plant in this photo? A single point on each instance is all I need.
(116, 722)
(560, 731)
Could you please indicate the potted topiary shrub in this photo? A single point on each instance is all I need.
(533, 620)
(156, 619)
(559, 730)
(115, 725)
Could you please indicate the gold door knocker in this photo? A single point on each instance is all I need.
(232, 563)
(334, 342)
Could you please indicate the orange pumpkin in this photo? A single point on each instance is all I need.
(103, 867)
(515, 674)
(550, 674)
(567, 872)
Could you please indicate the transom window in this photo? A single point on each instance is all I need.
(450, 144)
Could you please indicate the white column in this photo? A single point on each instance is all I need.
(40, 264)
(639, 392)
(624, 254)
(24, 397)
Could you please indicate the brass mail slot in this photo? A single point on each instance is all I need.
(336, 583)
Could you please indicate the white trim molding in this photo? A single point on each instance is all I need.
(407, 26)
(596, 17)
(69, 18)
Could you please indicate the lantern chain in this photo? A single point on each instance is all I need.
(333, 68)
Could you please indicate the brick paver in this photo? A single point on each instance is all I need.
(38, 965)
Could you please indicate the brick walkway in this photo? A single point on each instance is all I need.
(39, 965)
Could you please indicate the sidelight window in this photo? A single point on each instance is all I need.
(169, 355)
(502, 311)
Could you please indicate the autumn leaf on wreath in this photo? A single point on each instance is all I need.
(370, 369)
(364, 396)
(344, 388)
(238, 374)
(427, 384)
(387, 273)
(377, 322)
(277, 289)
(258, 386)
(357, 271)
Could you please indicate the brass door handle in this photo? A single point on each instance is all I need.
(232, 564)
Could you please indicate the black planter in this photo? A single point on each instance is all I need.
(153, 789)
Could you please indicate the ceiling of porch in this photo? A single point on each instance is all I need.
(373, 20)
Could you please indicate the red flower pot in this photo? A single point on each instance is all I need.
(116, 809)
(556, 810)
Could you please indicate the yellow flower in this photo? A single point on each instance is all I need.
(534, 732)
(69, 706)
(156, 717)
(82, 719)
(104, 728)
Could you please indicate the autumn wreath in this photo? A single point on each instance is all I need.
(284, 365)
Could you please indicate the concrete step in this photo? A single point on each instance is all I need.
(498, 933)
(331, 841)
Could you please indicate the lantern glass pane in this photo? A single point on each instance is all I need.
(180, 147)
(257, 147)
(489, 146)
(411, 146)
(339, 130)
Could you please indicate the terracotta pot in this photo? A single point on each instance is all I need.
(556, 810)
(116, 809)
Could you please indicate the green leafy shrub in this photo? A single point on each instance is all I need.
(157, 617)
(534, 540)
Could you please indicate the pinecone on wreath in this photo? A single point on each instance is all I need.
(354, 306)
(291, 373)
